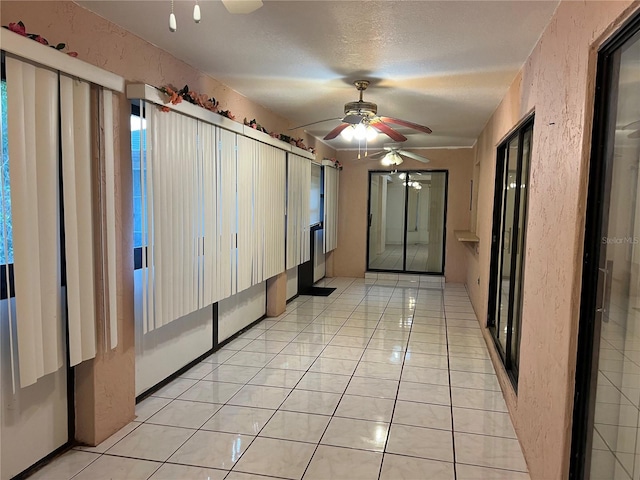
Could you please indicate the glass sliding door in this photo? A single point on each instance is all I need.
(507, 258)
(606, 436)
(407, 218)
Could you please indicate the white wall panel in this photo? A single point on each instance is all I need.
(292, 283)
(235, 313)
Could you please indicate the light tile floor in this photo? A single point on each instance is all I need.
(389, 380)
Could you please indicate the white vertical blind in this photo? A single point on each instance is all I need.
(75, 122)
(32, 95)
(272, 203)
(174, 222)
(247, 162)
(211, 281)
(298, 218)
(227, 211)
(330, 208)
(109, 213)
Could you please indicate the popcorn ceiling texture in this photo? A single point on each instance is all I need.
(558, 82)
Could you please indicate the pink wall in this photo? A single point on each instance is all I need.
(349, 259)
(557, 81)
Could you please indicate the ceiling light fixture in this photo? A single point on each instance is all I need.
(391, 158)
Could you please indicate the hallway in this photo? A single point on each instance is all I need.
(386, 380)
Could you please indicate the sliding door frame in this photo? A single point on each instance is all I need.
(406, 213)
(598, 195)
(497, 242)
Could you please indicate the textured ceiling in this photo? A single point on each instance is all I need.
(444, 64)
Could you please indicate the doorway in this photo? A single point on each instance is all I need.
(606, 426)
(407, 221)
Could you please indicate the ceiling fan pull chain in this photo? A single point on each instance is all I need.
(172, 20)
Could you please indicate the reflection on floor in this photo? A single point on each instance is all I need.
(616, 446)
(389, 380)
(391, 258)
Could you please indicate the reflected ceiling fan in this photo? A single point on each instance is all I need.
(360, 115)
(393, 153)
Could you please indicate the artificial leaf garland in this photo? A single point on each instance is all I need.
(20, 29)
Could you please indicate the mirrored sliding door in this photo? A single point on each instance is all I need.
(407, 218)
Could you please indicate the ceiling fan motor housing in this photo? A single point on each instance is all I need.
(368, 109)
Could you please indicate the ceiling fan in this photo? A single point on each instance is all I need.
(365, 114)
(392, 155)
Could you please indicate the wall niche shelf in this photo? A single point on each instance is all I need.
(466, 236)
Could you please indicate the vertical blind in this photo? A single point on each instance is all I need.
(50, 138)
(330, 208)
(32, 102)
(298, 228)
(213, 214)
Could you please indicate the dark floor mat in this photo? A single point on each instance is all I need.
(318, 291)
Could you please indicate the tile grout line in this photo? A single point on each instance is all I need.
(395, 401)
(346, 387)
(453, 436)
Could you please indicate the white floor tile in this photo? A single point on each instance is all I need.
(370, 368)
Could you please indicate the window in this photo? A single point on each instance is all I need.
(6, 232)
(315, 204)
(138, 161)
(508, 243)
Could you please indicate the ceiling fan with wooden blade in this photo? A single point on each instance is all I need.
(366, 114)
(393, 153)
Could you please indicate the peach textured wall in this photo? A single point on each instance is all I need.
(349, 259)
(106, 384)
(557, 81)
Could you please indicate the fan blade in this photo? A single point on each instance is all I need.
(315, 123)
(336, 131)
(415, 156)
(404, 123)
(377, 155)
(242, 6)
(387, 130)
(632, 125)
(635, 134)
(353, 119)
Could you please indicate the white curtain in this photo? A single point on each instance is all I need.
(298, 217)
(330, 208)
(32, 97)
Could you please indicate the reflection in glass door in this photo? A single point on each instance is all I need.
(606, 439)
(407, 217)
